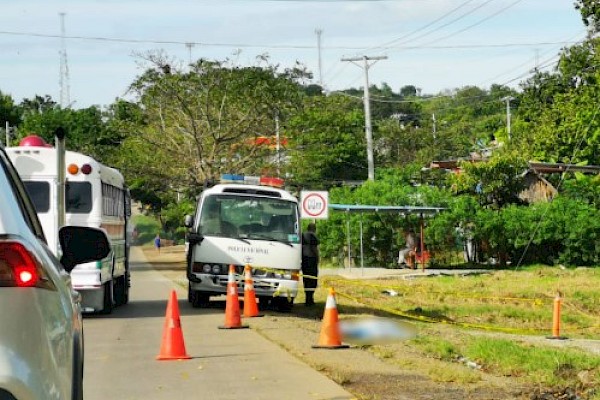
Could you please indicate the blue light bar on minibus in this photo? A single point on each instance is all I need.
(252, 180)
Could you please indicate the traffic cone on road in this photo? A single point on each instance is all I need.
(172, 347)
(330, 337)
(233, 318)
(250, 305)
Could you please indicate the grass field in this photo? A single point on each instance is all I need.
(497, 323)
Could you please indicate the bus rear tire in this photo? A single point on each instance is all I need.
(107, 304)
(121, 291)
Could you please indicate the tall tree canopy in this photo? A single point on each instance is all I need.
(327, 141)
(590, 13)
(559, 119)
(193, 124)
(9, 111)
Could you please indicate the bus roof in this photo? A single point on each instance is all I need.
(33, 161)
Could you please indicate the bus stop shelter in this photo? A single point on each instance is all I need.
(421, 211)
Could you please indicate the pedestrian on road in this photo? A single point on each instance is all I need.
(157, 242)
(310, 262)
(134, 235)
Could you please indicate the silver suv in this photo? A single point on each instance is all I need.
(41, 332)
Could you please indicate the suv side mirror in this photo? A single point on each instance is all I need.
(82, 244)
(188, 222)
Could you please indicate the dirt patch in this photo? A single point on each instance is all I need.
(395, 371)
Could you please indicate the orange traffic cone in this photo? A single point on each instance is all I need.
(250, 306)
(330, 337)
(172, 347)
(233, 319)
(556, 318)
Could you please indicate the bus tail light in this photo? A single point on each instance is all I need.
(86, 169)
(18, 267)
(295, 275)
(73, 169)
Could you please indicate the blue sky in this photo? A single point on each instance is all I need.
(436, 45)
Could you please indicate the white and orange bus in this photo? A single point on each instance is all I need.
(95, 196)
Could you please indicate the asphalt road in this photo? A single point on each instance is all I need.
(121, 350)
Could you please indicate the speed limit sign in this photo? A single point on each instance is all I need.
(314, 204)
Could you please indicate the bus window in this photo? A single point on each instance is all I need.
(39, 192)
(79, 197)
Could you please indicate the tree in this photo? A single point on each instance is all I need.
(327, 142)
(9, 111)
(87, 131)
(408, 91)
(204, 121)
(496, 183)
(558, 114)
(590, 13)
(38, 104)
(399, 143)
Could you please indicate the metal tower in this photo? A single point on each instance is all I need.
(64, 67)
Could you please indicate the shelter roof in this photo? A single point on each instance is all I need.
(549, 168)
(538, 167)
(387, 209)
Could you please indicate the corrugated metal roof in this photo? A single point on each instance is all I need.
(387, 209)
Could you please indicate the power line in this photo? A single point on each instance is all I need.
(188, 43)
(476, 23)
(449, 22)
(421, 28)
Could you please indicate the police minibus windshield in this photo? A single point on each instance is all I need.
(249, 217)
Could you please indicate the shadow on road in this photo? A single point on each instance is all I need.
(158, 308)
(163, 266)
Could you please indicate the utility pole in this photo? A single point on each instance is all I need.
(189, 47)
(366, 100)
(59, 135)
(507, 99)
(277, 143)
(7, 130)
(319, 32)
(434, 132)
(64, 68)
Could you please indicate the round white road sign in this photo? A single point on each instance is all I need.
(314, 205)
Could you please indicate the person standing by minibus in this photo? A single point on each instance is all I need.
(310, 262)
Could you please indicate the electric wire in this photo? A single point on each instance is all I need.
(537, 66)
(368, 49)
(266, 46)
(475, 24)
(450, 22)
